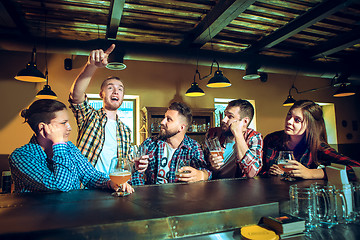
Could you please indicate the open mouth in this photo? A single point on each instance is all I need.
(114, 98)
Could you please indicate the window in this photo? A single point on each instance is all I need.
(330, 123)
(220, 105)
(128, 112)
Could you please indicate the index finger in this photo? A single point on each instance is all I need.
(110, 49)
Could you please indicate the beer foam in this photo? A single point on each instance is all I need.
(124, 173)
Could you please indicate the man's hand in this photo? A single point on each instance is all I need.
(141, 163)
(275, 170)
(190, 174)
(124, 187)
(99, 58)
(238, 127)
(216, 161)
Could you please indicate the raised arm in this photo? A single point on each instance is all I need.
(97, 59)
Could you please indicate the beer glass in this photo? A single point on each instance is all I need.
(136, 151)
(282, 162)
(302, 205)
(181, 163)
(344, 200)
(214, 146)
(325, 205)
(120, 173)
(356, 193)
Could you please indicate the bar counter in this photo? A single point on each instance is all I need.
(152, 212)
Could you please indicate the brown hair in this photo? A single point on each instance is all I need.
(315, 132)
(109, 78)
(183, 110)
(246, 108)
(41, 111)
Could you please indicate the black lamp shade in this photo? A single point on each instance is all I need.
(251, 74)
(218, 81)
(194, 91)
(30, 74)
(289, 101)
(343, 91)
(116, 61)
(46, 93)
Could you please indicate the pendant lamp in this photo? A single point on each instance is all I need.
(46, 92)
(195, 90)
(219, 80)
(30, 73)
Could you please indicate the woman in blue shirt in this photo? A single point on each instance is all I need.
(49, 162)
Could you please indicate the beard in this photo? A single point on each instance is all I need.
(165, 134)
(226, 131)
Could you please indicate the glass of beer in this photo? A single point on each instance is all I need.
(120, 173)
(214, 146)
(181, 163)
(282, 162)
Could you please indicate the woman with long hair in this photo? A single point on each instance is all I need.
(305, 135)
(49, 162)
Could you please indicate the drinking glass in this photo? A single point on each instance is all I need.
(356, 191)
(282, 162)
(120, 173)
(302, 205)
(179, 165)
(136, 151)
(214, 146)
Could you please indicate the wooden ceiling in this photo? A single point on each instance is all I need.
(322, 37)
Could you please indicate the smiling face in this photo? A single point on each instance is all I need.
(295, 125)
(61, 120)
(112, 93)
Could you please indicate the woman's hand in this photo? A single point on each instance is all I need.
(301, 171)
(275, 170)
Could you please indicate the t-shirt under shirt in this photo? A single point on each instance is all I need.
(229, 150)
(109, 151)
(164, 169)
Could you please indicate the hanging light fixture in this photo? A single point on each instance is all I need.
(219, 80)
(46, 92)
(116, 60)
(30, 73)
(290, 100)
(195, 90)
(344, 91)
(251, 72)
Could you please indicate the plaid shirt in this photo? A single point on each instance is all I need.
(32, 171)
(275, 142)
(252, 160)
(188, 149)
(91, 136)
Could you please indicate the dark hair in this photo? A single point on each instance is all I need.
(109, 78)
(315, 132)
(246, 108)
(41, 111)
(183, 109)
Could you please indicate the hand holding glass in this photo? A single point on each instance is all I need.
(137, 154)
(214, 146)
(120, 173)
(179, 165)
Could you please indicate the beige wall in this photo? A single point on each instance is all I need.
(158, 84)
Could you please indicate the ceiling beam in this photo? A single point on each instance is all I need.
(335, 44)
(314, 15)
(115, 14)
(11, 17)
(216, 20)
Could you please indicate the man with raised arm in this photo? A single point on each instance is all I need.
(102, 136)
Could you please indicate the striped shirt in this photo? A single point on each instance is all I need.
(91, 131)
(32, 171)
(251, 161)
(275, 142)
(189, 149)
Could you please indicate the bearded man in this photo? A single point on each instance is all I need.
(163, 153)
(242, 146)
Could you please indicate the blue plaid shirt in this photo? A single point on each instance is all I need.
(188, 149)
(32, 171)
